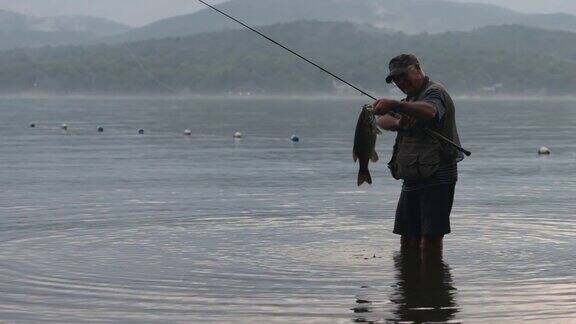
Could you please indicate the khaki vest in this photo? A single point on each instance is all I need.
(418, 155)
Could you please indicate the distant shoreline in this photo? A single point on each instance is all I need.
(320, 96)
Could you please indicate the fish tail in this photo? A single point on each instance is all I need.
(364, 176)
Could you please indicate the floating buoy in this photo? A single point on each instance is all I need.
(64, 127)
(294, 138)
(237, 135)
(100, 129)
(140, 131)
(544, 150)
(32, 125)
(187, 132)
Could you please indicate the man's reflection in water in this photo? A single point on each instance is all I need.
(424, 291)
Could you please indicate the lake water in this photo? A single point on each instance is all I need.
(162, 227)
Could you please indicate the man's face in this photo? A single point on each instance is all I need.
(410, 81)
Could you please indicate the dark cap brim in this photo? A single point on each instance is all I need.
(394, 73)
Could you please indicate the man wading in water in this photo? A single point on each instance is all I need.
(427, 165)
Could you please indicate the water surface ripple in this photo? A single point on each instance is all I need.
(121, 227)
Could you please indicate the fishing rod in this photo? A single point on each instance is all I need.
(289, 50)
(429, 131)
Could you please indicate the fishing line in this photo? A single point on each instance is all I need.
(427, 130)
(148, 71)
(289, 50)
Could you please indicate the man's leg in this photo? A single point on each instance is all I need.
(407, 221)
(432, 243)
(409, 243)
(436, 204)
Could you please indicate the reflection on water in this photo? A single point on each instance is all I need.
(161, 227)
(424, 291)
(365, 307)
(362, 308)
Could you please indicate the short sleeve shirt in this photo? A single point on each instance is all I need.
(435, 97)
(447, 173)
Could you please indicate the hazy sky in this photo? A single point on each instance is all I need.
(140, 12)
(131, 12)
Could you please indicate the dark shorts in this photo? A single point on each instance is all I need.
(425, 211)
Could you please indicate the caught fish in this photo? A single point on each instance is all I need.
(365, 143)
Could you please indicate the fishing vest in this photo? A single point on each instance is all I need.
(418, 154)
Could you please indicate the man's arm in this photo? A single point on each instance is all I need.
(421, 110)
(418, 109)
(388, 122)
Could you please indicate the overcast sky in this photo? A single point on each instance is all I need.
(141, 12)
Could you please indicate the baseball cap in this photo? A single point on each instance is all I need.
(400, 64)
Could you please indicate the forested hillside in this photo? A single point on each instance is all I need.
(409, 16)
(18, 30)
(506, 59)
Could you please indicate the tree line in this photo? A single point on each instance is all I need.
(507, 59)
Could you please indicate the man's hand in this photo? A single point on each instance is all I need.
(388, 122)
(406, 122)
(384, 106)
(394, 124)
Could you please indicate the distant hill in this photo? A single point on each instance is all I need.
(17, 30)
(410, 16)
(19, 39)
(557, 21)
(506, 59)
